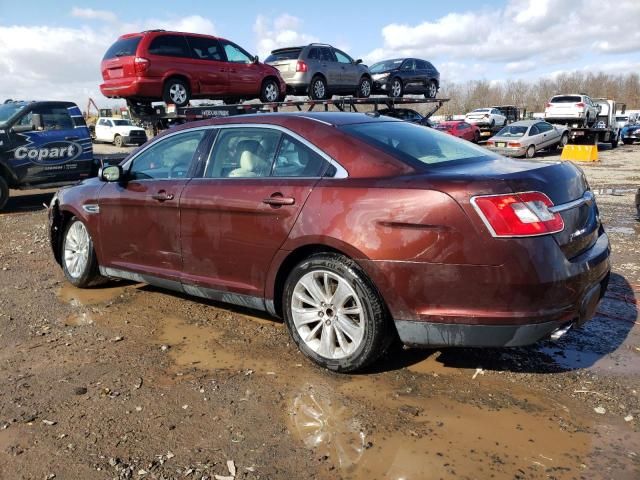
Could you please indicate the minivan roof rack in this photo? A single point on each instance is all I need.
(154, 30)
(320, 44)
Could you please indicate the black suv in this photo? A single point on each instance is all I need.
(405, 75)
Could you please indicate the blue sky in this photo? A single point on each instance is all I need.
(54, 48)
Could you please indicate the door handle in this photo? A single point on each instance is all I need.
(162, 196)
(278, 201)
(72, 138)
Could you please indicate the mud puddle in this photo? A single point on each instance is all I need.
(90, 296)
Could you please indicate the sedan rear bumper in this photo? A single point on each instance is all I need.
(509, 152)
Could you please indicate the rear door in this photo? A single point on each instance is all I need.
(118, 60)
(245, 76)
(104, 130)
(330, 66)
(209, 66)
(170, 53)
(139, 218)
(350, 74)
(408, 71)
(238, 214)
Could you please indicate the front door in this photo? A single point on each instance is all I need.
(236, 217)
(245, 76)
(350, 74)
(140, 217)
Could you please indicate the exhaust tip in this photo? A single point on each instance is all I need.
(558, 333)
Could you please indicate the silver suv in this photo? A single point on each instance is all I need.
(320, 70)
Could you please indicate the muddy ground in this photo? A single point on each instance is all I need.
(128, 381)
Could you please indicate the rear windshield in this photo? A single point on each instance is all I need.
(280, 55)
(124, 47)
(513, 131)
(417, 145)
(566, 99)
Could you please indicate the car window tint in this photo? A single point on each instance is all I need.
(415, 144)
(205, 48)
(169, 45)
(341, 56)
(421, 64)
(326, 55)
(545, 127)
(534, 130)
(408, 65)
(125, 47)
(234, 53)
(296, 160)
(53, 118)
(243, 153)
(313, 54)
(168, 158)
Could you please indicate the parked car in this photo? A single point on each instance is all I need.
(320, 71)
(43, 144)
(460, 129)
(118, 131)
(405, 75)
(624, 119)
(630, 134)
(175, 67)
(573, 108)
(406, 114)
(525, 138)
(356, 229)
(488, 117)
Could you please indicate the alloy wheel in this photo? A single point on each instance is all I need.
(433, 91)
(328, 314)
(271, 92)
(178, 93)
(365, 88)
(76, 249)
(318, 88)
(396, 88)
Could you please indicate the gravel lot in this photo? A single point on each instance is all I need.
(128, 381)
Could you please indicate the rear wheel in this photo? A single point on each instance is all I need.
(270, 91)
(4, 192)
(333, 313)
(176, 91)
(432, 90)
(564, 140)
(396, 88)
(364, 88)
(531, 151)
(79, 262)
(318, 88)
(117, 141)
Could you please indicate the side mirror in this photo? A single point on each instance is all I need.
(112, 173)
(358, 61)
(255, 59)
(37, 121)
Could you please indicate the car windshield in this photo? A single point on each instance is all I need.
(566, 99)
(513, 131)
(386, 65)
(118, 123)
(281, 55)
(8, 110)
(416, 145)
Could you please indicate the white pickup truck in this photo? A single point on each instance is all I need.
(119, 132)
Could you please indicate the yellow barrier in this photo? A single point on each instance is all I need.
(580, 153)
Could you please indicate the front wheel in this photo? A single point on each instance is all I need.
(79, 262)
(176, 91)
(334, 315)
(270, 91)
(4, 192)
(395, 88)
(432, 90)
(364, 88)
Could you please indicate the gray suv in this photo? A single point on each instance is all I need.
(319, 70)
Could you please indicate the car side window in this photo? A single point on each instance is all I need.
(544, 127)
(326, 55)
(408, 65)
(313, 54)
(169, 46)
(53, 118)
(103, 122)
(342, 57)
(205, 48)
(297, 160)
(534, 130)
(234, 53)
(168, 158)
(243, 153)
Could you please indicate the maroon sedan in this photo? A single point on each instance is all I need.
(357, 230)
(460, 129)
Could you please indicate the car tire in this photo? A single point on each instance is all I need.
(505, 123)
(176, 91)
(318, 88)
(564, 140)
(627, 142)
(531, 151)
(476, 137)
(396, 89)
(310, 292)
(270, 91)
(78, 257)
(364, 88)
(615, 141)
(493, 123)
(432, 90)
(117, 141)
(4, 192)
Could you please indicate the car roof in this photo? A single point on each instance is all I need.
(525, 123)
(169, 32)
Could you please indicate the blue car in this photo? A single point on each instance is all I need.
(630, 133)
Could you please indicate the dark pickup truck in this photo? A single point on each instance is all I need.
(42, 145)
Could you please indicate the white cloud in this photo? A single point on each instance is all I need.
(523, 36)
(91, 14)
(283, 31)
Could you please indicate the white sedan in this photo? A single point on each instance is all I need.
(486, 116)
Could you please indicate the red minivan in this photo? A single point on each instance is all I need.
(175, 67)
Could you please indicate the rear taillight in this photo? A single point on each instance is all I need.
(518, 215)
(301, 66)
(486, 115)
(141, 64)
(581, 105)
(514, 144)
(547, 105)
(490, 143)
